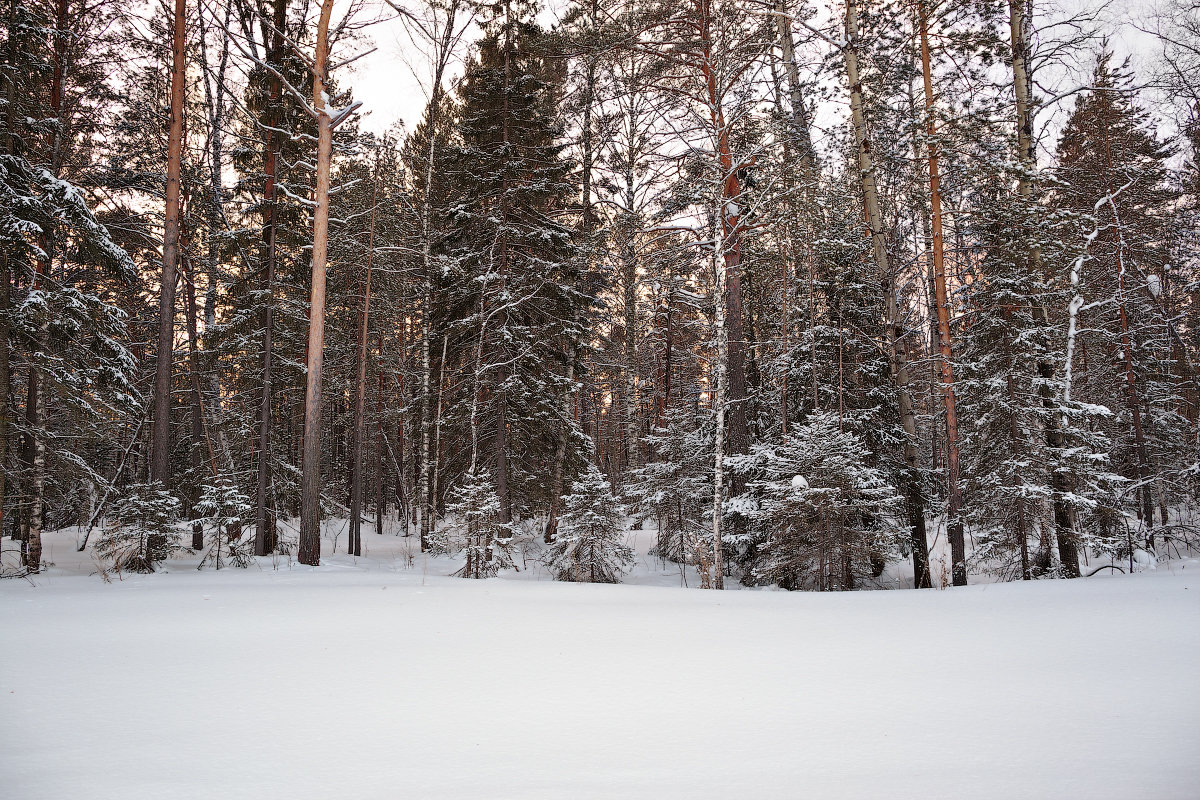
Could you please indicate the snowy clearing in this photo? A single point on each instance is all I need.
(379, 679)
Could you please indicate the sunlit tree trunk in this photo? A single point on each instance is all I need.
(161, 430)
(310, 477)
(954, 523)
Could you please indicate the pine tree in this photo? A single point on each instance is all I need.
(1019, 478)
(675, 486)
(74, 340)
(61, 269)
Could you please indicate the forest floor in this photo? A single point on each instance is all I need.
(381, 677)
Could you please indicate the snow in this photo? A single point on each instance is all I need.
(1144, 559)
(379, 677)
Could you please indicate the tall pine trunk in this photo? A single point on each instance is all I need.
(35, 454)
(264, 512)
(10, 122)
(161, 429)
(429, 454)
(732, 227)
(380, 482)
(720, 381)
(730, 369)
(898, 355)
(360, 385)
(310, 476)
(954, 523)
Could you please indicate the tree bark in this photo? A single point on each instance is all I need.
(31, 549)
(801, 129)
(732, 228)
(437, 430)
(5, 367)
(264, 513)
(360, 384)
(720, 381)
(380, 496)
(310, 478)
(10, 123)
(1146, 508)
(954, 523)
(898, 356)
(161, 430)
(500, 435)
(1060, 481)
(197, 403)
(560, 454)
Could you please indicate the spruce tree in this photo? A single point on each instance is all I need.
(590, 546)
(518, 289)
(1113, 173)
(140, 531)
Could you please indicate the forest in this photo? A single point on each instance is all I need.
(802, 291)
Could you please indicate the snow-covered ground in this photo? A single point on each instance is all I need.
(380, 677)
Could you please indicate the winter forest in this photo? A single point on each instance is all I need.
(723, 294)
(641, 253)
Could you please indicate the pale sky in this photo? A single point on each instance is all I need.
(393, 81)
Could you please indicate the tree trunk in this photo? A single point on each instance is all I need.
(380, 496)
(197, 403)
(437, 430)
(5, 374)
(10, 122)
(264, 512)
(214, 94)
(32, 551)
(160, 465)
(632, 450)
(31, 548)
(720, 379)
(310, 478)
(428, 500)
(954, 523)
(898, 356)
(360, 385)
(801, 131)
(1060, 481)
(572, 347)
(560, 454)
(500, 435)
(1146, 508)
(732, 227)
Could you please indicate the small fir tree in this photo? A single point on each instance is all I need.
(823, 516)
(476, 506)
(141, 530)
(223, 509)
(675, 485)
(590, 547)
